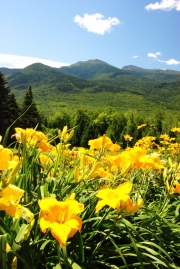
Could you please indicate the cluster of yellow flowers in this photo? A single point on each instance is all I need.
(104, 160)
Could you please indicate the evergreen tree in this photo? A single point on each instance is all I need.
(101, 122)
(90, 132)
(31, 118)
(117, 123)
(9, 110)
(81, 122)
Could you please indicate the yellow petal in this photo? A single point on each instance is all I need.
(47, 204)
(13, 190)
(75, 224)
(45, 224)
(73, 208)
(60, 232)
(100, 205)
(125, 187)
(65, 230)
(13, 210)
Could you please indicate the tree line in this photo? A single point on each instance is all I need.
(24, 116)
(87, 124)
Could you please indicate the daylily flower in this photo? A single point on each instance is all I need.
(175, 129)
(127, 137)
(113, 197)
(9, 200)
(103, 142)
(60, 217)
(118, 199)
(21, 134)
(6, 159)
(146, 142)
(32, 136)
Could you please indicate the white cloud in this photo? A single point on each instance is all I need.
(154, 55)
(15, 61)
(170, 62)
(135, 56)
(164, 5)
(95, 23)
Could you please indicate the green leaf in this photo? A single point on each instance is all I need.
(58, 266)
(45, 243)
(157, 260)
(76, 266)
(21, 233)
(3, 240)
(120, 252)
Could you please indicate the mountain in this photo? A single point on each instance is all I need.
(156, 75)
(8, 71)
(99, 70)
(38, 75)
(90, 70)
(95, 84)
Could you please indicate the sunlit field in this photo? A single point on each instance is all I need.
(90, 208)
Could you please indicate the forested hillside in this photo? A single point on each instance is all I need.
(95, 85)
(110, 100)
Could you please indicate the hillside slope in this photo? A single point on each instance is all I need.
(105, 86)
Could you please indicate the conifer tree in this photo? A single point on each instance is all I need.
(9, 110)
(31, 118)
(81, 122)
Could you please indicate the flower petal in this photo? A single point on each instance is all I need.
(73, 208)
(44, 224)
(60, 232)
(100, 205)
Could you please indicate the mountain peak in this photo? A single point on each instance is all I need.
(91, 69)
(132, 67)
(95, 61)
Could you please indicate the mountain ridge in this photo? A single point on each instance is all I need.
(94, 83)
(7, 70)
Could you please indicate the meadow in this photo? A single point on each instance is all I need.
(65, 207)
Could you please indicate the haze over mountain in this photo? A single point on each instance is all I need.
(94, 83)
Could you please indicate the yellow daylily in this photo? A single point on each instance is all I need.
(32, 136)
(103, 142)
(127, 137)
(60, 217)
(9, 200)
(22, 134)
(113, 197)
(6, 159)
(175, 129)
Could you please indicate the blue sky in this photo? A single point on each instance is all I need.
(145, 33)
